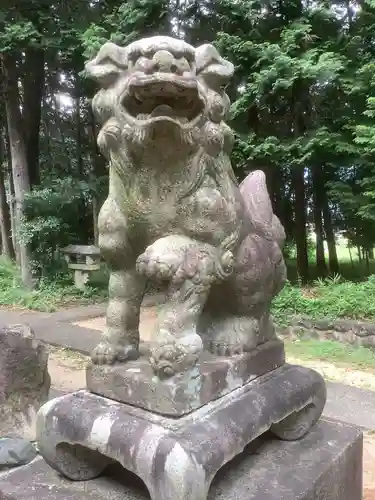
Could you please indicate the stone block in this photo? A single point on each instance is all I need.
(24, 381)
(15, 452)
(135, 383)
(324, 465)
(81, 434)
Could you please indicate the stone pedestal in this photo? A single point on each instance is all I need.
(177, 458)
(135, 383)
(324, 465)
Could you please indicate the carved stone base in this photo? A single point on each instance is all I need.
(80, 434)
(135, 383)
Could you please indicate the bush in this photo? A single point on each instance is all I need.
(49, 294)
(56, 216)
(331, 298)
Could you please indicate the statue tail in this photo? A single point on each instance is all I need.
(258, 204)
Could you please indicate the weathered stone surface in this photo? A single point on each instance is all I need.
(325, 465)
(134, 383)
(359, 333)
(177, 458)
(24, 381)
(14, 452)
(267, 470)
(175, 212)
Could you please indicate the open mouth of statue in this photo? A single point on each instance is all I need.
(150, 100)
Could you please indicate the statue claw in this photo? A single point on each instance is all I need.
(107, 354)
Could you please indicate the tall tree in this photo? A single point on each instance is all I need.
(7, 249)
(18, 153)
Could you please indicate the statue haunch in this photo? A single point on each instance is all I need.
(175, 212)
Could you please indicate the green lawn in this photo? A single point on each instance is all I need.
(360, 358)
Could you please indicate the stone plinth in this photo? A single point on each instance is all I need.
(24, 381)
(268, 469)
(135, 383)
(177, 458)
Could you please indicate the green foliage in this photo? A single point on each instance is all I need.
(126, 22)
(19, 33)
(49, 294)
(303, 97)
(327, 298)
(53, 219)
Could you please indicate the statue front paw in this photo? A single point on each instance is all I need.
(165, 260)
(176, 357)
(106, 353)
(178, 259)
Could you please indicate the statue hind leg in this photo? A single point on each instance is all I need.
(237, 316)
(120, 341)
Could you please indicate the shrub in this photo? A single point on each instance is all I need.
(331, 298)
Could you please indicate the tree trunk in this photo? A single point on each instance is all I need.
(95, 214)
(330, 235)
(359, 253)
(18, 156)
(278, 190)
(33, 90)
(79, 149)
(300, 223)
(13, 215)
(351, 257)
(367, 262)
(11, 194)
(317, 176)
(99, 162)
(5, 225)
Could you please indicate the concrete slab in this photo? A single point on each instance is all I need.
(55, 328)
(326, 464)
(36, 317)
(350, 404)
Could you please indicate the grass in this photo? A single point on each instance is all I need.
(49, 295)
(334, 352)
(331, 298)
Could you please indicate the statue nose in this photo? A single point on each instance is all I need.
(164, 61)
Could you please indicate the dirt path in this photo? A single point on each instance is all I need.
(67, 370)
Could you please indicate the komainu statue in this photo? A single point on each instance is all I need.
(175, 211)
(174, 411)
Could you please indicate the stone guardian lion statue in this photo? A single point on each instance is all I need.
(175, 211)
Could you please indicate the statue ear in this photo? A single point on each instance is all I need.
(211, 66)
(110, 61)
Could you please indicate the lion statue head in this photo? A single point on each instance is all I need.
(162, 87)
